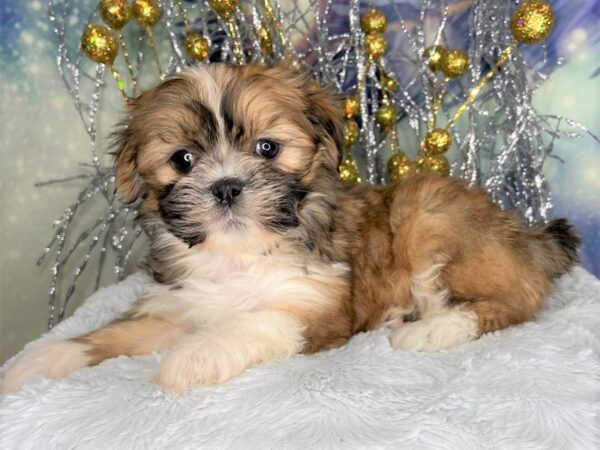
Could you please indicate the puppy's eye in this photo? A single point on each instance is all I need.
(267, 149)
(182, 161)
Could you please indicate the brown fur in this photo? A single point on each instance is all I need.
(494, 266)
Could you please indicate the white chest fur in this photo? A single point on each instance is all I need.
(217, 286)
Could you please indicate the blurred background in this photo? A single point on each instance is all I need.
(42, 138)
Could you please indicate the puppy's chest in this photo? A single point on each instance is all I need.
(217, 284)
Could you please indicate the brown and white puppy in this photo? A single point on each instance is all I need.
(259, 252)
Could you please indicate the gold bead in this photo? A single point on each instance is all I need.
(145, 12)
(435, 163)
(349, 170)
(399, 167)
(99, 44)
(115, 13)
(196, 46)
(455, 63)
(351, 133)
(224, 8)
(386, 117)
(532, 22)
(266, 42)
(389, 83)
(375, 45)
(351, 107)
(434, 55)
(437, 141)
(373, 21)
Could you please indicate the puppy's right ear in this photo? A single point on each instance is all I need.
(125, 149)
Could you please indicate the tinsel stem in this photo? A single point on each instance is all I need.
(155, 56)
(438, 98)
(479, 86)
(182, 13)
(120, 83)
(237, 47)
(127, 60)
(274, 19)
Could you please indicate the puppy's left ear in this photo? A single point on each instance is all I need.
(325, 113)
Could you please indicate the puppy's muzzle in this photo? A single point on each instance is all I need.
(227, 190)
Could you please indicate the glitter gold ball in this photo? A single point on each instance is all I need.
(532, 22)
(224, 8)
(434, 55)
(389, 83)
(145, 12)
(99, 44)
(386, 117)
(351, 133)
(115, 13)
(399, 167)
(351, 107)
(266, 42)
(435, 163)
(349, 171)
(373, 21)
(437, 141)
(375, 45)
(196, 46)
(455, 63)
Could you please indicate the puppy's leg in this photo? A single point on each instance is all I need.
(225, 349)
(441, 326)
(57, 359)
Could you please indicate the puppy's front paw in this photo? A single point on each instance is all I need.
(182, 370)
(439, 332)
(51, 359)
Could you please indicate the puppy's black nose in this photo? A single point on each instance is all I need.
(227, 189)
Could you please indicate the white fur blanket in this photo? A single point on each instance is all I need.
(532, 386)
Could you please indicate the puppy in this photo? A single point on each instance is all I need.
(259, 252)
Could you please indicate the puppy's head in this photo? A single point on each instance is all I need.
(231, 154)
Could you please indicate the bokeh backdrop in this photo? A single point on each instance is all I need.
(42, 138)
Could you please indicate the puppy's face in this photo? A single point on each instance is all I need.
(230, 154)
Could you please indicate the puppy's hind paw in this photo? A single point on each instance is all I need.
(50, 359)
(440, 332)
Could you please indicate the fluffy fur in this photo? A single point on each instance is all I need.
(298, 262)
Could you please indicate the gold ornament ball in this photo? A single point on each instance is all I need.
(373, 21)
(399, 167)
(145, 12)
(455, 63)
(434, 56)
(437, 141)
(351, 107)
(389, 83)
(99, 44)
(375, 45)
(386, 117)
(351, 133)
(224, 8)
(115, 13)
(435, 163)
(349, 171)
(196, 46)
(532, 22)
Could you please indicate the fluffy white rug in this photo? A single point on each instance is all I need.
(532, 386)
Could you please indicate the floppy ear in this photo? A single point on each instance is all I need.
(325, 113)
(128, 181)
(323, 110)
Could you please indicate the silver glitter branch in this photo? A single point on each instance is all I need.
(502, 142)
